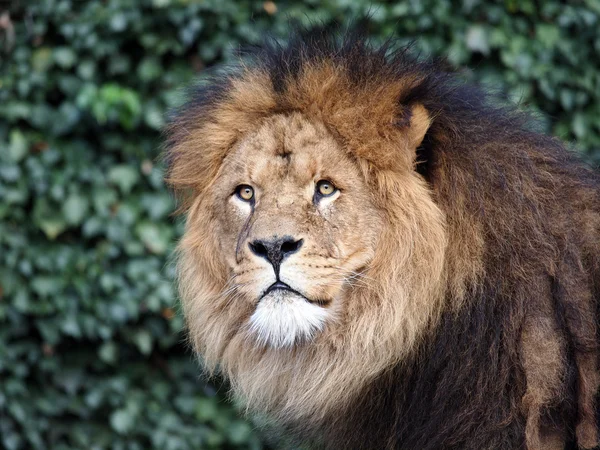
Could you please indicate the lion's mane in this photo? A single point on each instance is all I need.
(481, 331)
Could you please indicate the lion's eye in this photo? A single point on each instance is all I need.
(326, 188)
(245, 192)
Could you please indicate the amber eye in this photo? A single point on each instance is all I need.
(326, 188)
(245, 192)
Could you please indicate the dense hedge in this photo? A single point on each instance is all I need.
(91, 350)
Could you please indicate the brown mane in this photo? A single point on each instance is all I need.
(498, 345)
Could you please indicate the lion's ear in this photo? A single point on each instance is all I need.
(420, 120)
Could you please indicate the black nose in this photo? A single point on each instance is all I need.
(275, 250)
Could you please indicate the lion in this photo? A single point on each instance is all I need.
(378, 256)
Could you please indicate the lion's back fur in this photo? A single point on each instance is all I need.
(512, 357)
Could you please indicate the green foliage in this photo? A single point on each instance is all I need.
(91, 350)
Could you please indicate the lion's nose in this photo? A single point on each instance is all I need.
(275, 250)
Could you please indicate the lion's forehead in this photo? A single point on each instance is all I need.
(288, 150)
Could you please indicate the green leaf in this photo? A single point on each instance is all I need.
(48, 219)
(41, 59)
(149, 69)
(477, 39)
(125, 177)
(17, 148)
(547, 34)
(109, 352)
(154, 116)
(156, 238)
(143, 341)
(52, 227)
(122, 421)
(239, 432)
(206, 409)
(75, 209)
(65, 57)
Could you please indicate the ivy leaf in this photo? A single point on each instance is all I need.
(122, 421)
(75, 209)
(143, 340)
(125, 177)
(17, 148)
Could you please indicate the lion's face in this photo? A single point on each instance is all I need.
(297, 228)
(314, 253)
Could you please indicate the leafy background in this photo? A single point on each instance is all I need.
(92, 355)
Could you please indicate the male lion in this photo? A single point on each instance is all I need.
(376, 257)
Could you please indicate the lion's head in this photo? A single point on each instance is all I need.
(300, 267)
(313, 256)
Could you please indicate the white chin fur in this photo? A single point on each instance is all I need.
(283, 318)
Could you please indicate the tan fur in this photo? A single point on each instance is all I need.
(543, 352)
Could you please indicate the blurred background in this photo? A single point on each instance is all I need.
(92, 354)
